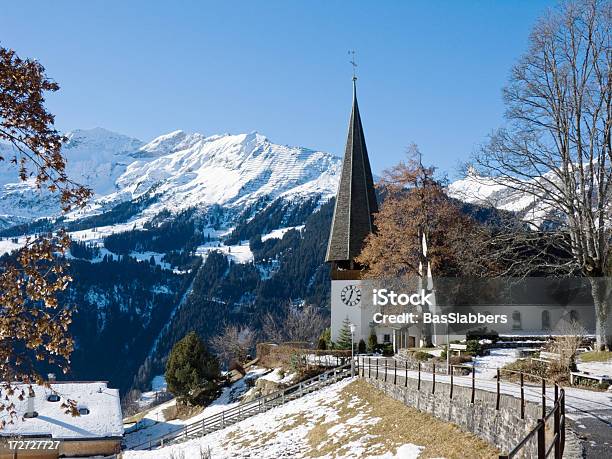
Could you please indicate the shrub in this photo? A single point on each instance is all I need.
(192, 373)
(528, 367)
(361, 348)
(473, 347)
(421, 356)
(387, 350)
(322, 345)
(460, 359)
(372, 342)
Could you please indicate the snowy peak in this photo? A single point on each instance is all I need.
(476, 189)
(230, 170)
(166, 144)
(99, 140)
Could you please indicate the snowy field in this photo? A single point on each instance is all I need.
(240, 253)
(280, 232)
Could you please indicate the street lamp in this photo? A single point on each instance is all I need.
(352, 350)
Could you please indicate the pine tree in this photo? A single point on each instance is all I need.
(372, 342)
(192, 373)
(344, 339)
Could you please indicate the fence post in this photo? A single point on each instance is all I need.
(562, 407)
(433, 386)
(369, 367)
(406, 375)
(451, 381)
(376, 368)
(473, 385)
(522, 396)
(498, 390)
(385, 370)
(394, 372)
(541, 440)
(543, 398)
(419, 383)
(557, 430)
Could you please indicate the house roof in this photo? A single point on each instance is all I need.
(356, 198)
(103, 421)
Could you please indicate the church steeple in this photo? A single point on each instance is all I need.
(355, 198)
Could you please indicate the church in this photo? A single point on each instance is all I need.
(351, 294)
(352, 222)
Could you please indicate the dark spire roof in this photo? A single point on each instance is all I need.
(355, 199)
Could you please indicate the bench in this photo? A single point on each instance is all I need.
(458, 348)
(548, 357)
(575, 375)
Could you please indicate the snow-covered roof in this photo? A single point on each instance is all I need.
(104, 419)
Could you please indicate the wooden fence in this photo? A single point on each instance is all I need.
(245, 410)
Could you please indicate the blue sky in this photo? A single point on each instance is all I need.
(430, 72)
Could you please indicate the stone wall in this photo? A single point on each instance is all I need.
(503, 428)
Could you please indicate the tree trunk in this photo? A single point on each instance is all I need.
(600, 293)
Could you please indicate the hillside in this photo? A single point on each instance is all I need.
(349, 419)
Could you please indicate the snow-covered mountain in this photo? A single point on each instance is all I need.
(475, 189)
(179, 170)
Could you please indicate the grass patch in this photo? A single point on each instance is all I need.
(596, 356)
(382, 424)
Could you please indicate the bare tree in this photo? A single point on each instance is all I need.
(556, 147)
(569, 337)
(233, 344)
(304, 324)
(272, 328)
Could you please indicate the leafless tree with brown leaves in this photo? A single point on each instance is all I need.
(556, 148)
(33, 326)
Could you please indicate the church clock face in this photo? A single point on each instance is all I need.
(350, 295)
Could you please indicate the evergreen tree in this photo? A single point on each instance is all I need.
(344, 338)
(361, 348)
(372, 342)
(192, 373)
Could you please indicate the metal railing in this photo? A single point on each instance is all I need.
(242, 411)
(390, 369)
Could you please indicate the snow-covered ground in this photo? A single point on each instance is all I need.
(486, 366)
(280, 232)
(282, 433)
(154, 423)
(240, 253)
(101, 416)
(595, 368)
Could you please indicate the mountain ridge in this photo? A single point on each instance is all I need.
(181, 170)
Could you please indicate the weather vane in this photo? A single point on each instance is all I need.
(353, 63)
